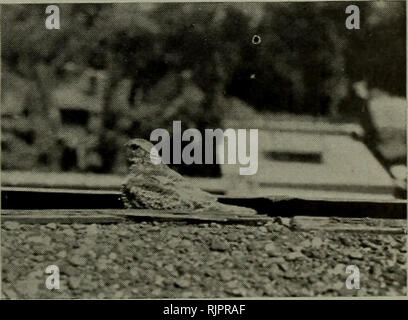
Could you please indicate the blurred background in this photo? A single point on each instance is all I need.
(330, 102)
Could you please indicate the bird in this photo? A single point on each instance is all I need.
(158, 187)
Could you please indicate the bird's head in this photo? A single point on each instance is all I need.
(141, 151)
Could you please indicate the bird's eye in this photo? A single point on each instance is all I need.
(134, 147)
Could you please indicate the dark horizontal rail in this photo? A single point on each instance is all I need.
(291, 207)
(43, 198)
(37, 198)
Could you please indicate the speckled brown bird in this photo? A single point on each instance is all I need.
(156, 186)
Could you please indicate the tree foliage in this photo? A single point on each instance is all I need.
(304, 63)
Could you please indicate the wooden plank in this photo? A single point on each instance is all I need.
(297, 223)
(394, 226)
(204, 217)
(58, 190)
(115, 216)
(46, 218)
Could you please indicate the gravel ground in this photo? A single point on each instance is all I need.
(156, 260)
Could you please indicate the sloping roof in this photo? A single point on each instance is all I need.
(68, 96)
(387, 119)
(388, 112)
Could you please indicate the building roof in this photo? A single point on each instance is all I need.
(68, 96)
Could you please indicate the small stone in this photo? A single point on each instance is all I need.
(269, 290)
(277, 260)
(338, 285)
(101, 295)
(390, 263)
(159, 280)
(390, 240)
(35, 275)
(113, 256)
(339, 269)
(273, 227)
(183, 283)
(376, 270)
(11, 225)
(77, 260)
(271, 250)
(9, 293)
(294, 256)
(232, 284)
(355, 255)
(102, 264)
(77, 226)
(186, 294)
(225, 275)
(215, 225)
(51, 226)
(346, 241)
(239, 292)
(118, 295)
(69, 232)
(289, 274)
(232, 237)
(45, 240)
(138, 243)
(38, 258)
(283, 266)
(367, 244)
(252, 246)
(68, 270)
(92, 230)
(134, 272)
(186, 243)
(262, 229)
(28, 287)
(274, 272)
(74, 282)
(305, 243)
(123, 233)
(284, 221)
(219, 245)
(317, 242)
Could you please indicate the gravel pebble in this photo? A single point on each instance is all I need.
(52, 226)
(77, 260)
(356, 255)
(294, 255)
(11, 225)
(219, 245)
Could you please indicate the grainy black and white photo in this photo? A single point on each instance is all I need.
(203, 150)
